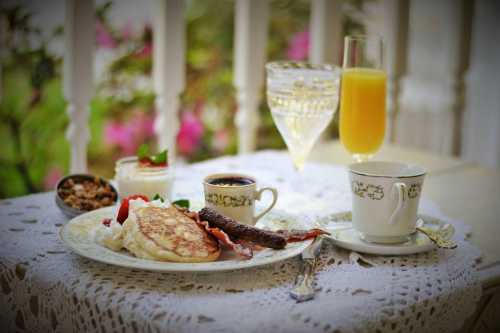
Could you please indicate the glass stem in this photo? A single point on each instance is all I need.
(358, 158)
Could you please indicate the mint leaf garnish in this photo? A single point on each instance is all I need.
(160, 158)
(145, 159)
(143, 152)
(158, 197)
(182, 203)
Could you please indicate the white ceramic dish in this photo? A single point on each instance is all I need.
(343, 235)
(77, 234)
(132, 179)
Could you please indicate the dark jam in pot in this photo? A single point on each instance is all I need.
(231, 181)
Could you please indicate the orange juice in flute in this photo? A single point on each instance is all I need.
(362, 101)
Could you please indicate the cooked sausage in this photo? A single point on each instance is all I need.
(238, 230)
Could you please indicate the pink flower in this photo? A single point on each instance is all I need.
(128, 136)
(298, 48)
(220, 140)
(145, 52)
(127, 30)
(103, 37)
(52, 177)
(118, 134)
(141, 125)
(147, 40)
(190, 133)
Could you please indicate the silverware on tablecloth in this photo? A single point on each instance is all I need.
(304, 289)
(356, 258)
(440, 237)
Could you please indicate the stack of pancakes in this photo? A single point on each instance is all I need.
(167, 234)
(156, 232)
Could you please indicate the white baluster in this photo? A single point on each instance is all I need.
(429, 101)
(79, 31)
(389, 19)
(394, 33)
(325, 32)
(481, 123)
(250, 40)
(168, 69)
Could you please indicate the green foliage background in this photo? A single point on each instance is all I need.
(33, 119)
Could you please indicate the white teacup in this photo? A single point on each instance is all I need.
(234, 195)
(385, 197)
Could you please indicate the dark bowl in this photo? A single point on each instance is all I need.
(71, 211)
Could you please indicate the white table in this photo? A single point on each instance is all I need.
(45, 285)
(464, 191)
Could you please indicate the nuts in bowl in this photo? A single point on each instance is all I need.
(80, 193)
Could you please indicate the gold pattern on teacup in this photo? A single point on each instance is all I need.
(414, 190)
(228, 200)
(362, 190)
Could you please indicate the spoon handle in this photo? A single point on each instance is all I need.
(437, 239)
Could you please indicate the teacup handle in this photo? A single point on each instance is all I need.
(400, 190)
(258, 195)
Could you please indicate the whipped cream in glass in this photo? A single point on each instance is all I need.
(132, 178)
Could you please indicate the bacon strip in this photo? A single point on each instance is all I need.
(251, 245)
(236, 230)
(220, 235)
(300, 235)
(241, 249)
(247, 238)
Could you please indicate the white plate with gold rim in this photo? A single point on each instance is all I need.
(77, 234)
(344, 235)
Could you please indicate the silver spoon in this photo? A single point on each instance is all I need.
(440, 237)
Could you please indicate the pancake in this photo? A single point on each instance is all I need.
(166, 234)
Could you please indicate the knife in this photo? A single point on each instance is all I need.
(303, 289)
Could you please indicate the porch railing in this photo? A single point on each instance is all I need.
(428, 51)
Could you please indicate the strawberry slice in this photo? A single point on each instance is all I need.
(123, 210)
(148, 163)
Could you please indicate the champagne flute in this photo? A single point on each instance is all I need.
(362, 100)
(303, 99)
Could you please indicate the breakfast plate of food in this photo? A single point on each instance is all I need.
(160, 236)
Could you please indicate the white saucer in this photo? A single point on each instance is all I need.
(343, 235)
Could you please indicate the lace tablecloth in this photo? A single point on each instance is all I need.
(44, 286)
